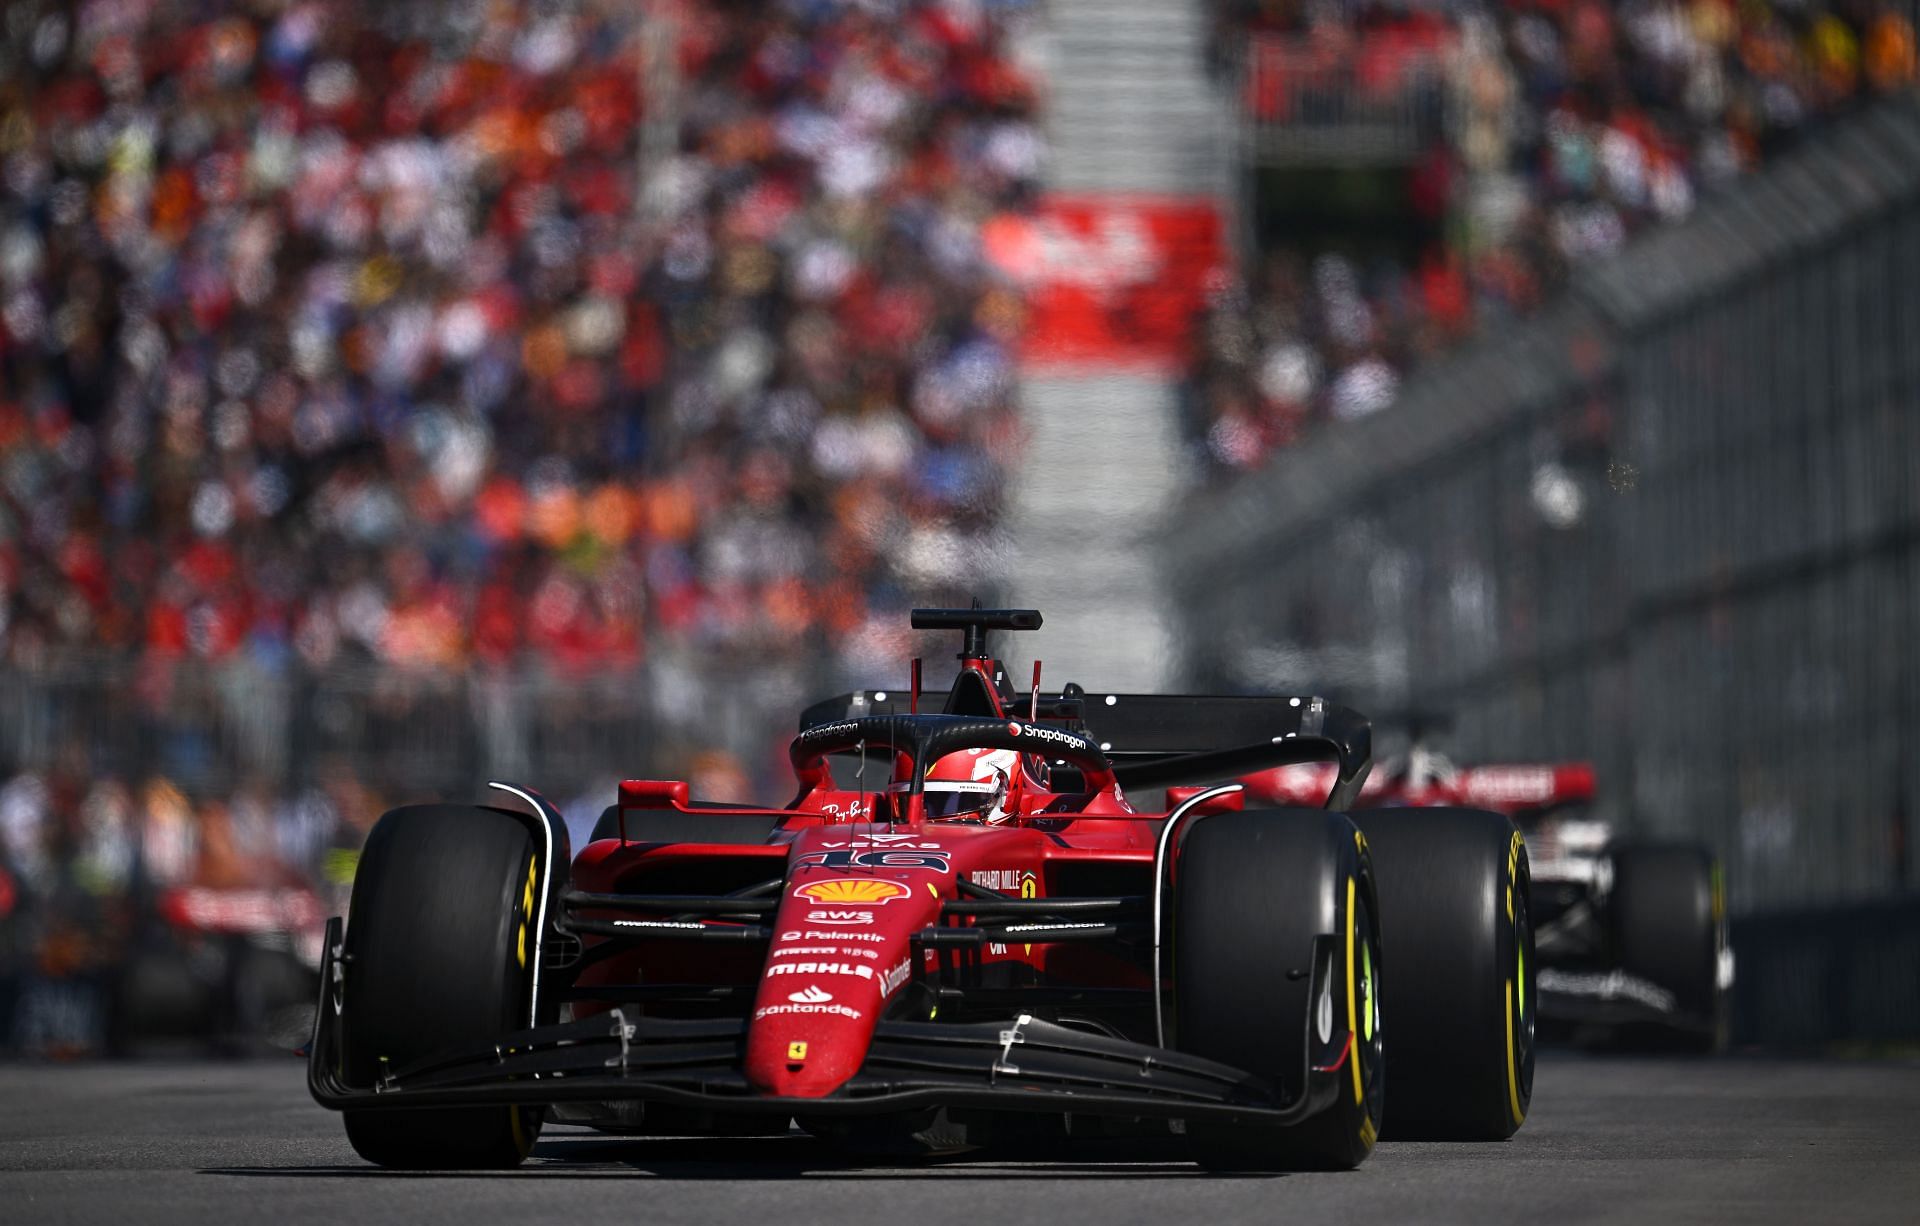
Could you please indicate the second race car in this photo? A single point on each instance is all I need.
(1631, 932)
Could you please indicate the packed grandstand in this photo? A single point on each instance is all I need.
(1570, 125)
(344, 331)
(445, 337)
(339, 327)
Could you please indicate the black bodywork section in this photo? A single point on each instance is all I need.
(1153, 740)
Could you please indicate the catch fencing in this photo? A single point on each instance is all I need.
(98, 752)
(1669, 527)
(212, 726)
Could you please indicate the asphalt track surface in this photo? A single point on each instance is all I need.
(1609, 1141)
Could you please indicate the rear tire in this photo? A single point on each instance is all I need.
(1252, 891)
(1453, 900)
(1668, 926)
(438, 942)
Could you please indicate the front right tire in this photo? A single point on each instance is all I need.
(1252, 890)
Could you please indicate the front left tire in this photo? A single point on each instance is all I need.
(438, 948)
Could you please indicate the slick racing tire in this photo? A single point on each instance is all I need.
(1251, 892)
(1667, 921)
(1453, 887)
(439, 940)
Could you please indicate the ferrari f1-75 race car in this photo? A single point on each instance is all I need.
(1632, 933)
(962, 929)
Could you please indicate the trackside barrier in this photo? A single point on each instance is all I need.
(1829, 975)
(1670, 525)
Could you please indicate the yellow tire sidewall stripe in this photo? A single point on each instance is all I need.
(522, 1144)
(1513, 1070)
(1513, 1065)
(1353, 1012)
(526, 909)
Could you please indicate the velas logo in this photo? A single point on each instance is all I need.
(809, 995)
(865, 891)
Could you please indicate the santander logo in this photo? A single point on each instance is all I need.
(809, 995)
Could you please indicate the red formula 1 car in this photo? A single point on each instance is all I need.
(1631, 933)
(961, 928)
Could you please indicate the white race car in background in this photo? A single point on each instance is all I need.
(1631, 934)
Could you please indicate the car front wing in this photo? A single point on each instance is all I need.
(1023, 1064)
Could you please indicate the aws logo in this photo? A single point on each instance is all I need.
(865, 891)
(840, 918)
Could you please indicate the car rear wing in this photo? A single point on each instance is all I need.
(1154, 740)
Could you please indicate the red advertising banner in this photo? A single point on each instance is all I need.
(1111, 281)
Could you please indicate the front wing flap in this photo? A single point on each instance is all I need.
(1612, 998)
(1024, 1064)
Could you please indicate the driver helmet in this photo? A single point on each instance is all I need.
(974, 783)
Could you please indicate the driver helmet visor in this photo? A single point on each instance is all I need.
(956, 799)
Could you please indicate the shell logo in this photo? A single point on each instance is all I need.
(854, 890)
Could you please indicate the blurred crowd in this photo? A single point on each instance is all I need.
(133, 912)
(1571, 125)
(445, 333)
(547, 335)
(517, 335)
(136, 909)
